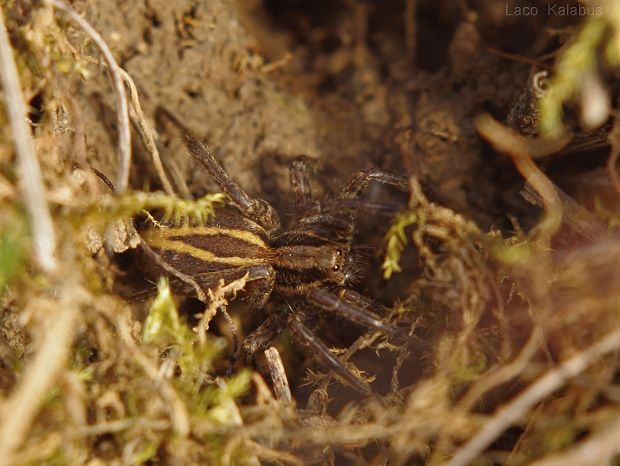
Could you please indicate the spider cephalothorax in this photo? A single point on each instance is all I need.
(307, 266)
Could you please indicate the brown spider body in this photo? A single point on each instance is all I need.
(295, 261)
(227, 246)
(308, 265)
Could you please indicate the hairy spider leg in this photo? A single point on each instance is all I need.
(306, 338)
(359, 315)
(353, 306)
(300, 182)
(360, 181)
(260, 338)
(348, 199)
(256, 209)
(333, 206)
(359, 299)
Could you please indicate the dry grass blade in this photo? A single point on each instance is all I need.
(278, 375)
(599, 448)
(122, 110)
(145, 132)
(30, 172)
(509, 142)
(543, 387)
(503, 374)
(20, 409)
(273, 456)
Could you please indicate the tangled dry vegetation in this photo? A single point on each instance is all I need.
(521, 324)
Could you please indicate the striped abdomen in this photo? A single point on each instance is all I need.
(228, 241)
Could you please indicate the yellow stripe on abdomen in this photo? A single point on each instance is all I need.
(166, 245)
(242, 235)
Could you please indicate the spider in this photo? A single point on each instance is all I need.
(308, 266)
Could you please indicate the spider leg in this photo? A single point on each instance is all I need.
(300, 182)
(330, 302)
(348, 199)
(358, 299)
(360, 181)
(260, 338)
(304, 336)
(353, 306)
(256, 209)
(334, 206)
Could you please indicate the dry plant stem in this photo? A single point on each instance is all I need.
(120, 425)
(487, 382)
(30, 172)
(543, 387)
(614, 140)
(145, 132)
(273, 456)
(278, 375)
(217, 300)
(179, 179)
(178, 413)
(20, 409)
(507, 141)
(599, 448)
(205, 320)
(503, 374)
(122, 110)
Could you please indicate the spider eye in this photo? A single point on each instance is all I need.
(336, 268)
(339, 252)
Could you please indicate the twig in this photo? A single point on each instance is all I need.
(103, 178)
(120, 425)
(232, 326)
(544, 386)
(30, 172)
(516, 146)
(278, 375)
(273, 456)
(20, 410)
(280, 63)
(122, 110)
(598, 448)
(145, 132)
(538, 61)
(503, 374)
(218, 301)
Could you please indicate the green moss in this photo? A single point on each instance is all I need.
(396, 239)
(579, 58)
(128, 205)
(13, 245)
(145, 454)
(215, 402)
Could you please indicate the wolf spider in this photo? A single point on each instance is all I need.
(308, 265)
